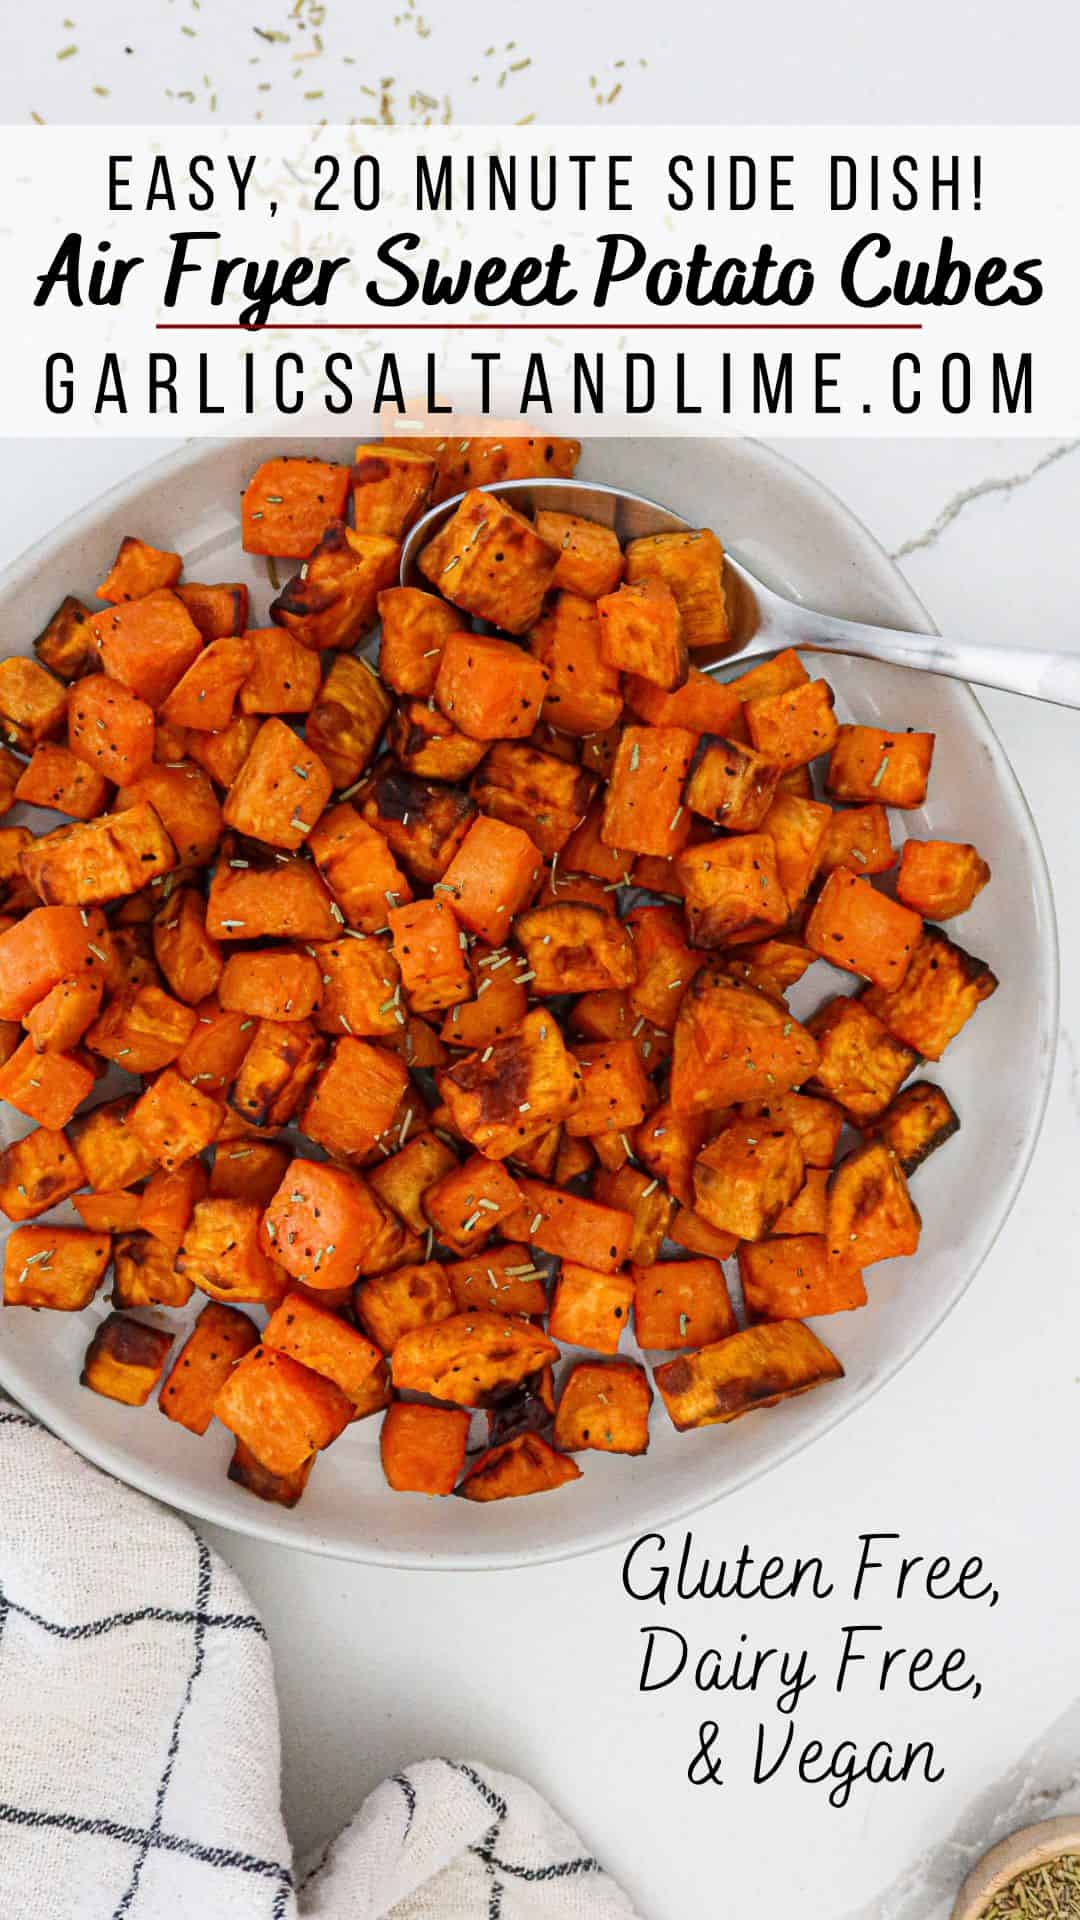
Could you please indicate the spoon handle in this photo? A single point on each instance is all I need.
(1033, 671)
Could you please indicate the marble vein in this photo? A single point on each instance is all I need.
(1004, 484)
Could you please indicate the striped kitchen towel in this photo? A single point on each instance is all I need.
(139, 1760)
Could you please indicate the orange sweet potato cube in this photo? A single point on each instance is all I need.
(871, 765)
(614, 1091)
(492, 874)
(36, 1173)
(527, 1080)
(289, 503)
(583, 694)
(415, 626)
(793, 727)
(402, 1180)
(46, 946)
(731, 784)
(185, 803)
(756, 1367)
(423, 821)
(356, 1099)
(870, 1213)
(590, 559)
(860, 1063)
(214, 1053)
(142, 1030)
(733, 1043)
(59, 1021)
(542, 795)
(518, 1467)
(358, 867)
(861, 930)
(390, 1305)
(478, 462)
(490, 688)
(939, 992)
(168, 1201)
(733, 891)
(360, 989)
(33, 706)
(144, 1274)
(333, 601)
(797, 827)
(468, 1203)
(643, 807)
(571, 1227)
(47, 1087)
(271, 984)
(221, 1253)
(427, 744)
(346, 722)
(284, 676)
(321, 1223)
(681, 1303)
(590, 1309)
(500, 1279)
(391, 487)
(807, 1212)
(324, 1342)
(694, 1235)
(692, 565)
(175, 1120)
(281, 1409)
(470, 1359)
(205, 697)
(423, 1448)
(857, 838)
(125, 1360)
(938, 878)
(604, 1406)
(222, 755)
(138, 569)
(249, 1170)
(641, 633)
(96, 861)
(219, 611)
(746, 1176)
(55, 777)
(189, 957)
(280, 791)
(919, 1120)
(220, 1337)
(111, 1156)
(816, 1123)
(281, 1489)
(66, 645)
(793, 1279)
(279, 1065)
(491, 562)
(427, 947)
(147, 644)
(56, 1267)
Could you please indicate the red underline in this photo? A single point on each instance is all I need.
(543, 326)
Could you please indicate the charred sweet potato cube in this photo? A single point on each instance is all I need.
(491, 562)
(221, 1253)
(423, 1448)
(667, 1143)
(572, 1228)
(523, 1465)
(403, 1179)
(355, 1100)
(215, 1050)
(938, 994)
(498, 1004)
(36, 1173)
(816, 1123)
(142, 1030)
(692, 565)
(746, 1175)
(175, 1120)
(583, 694)
(390, 1305)
(189, 958)
(604, 1406)
(280, 791)
(284, 676)
(733, 1043)
(793, 1278)
(538, 793)
(870, 1214)
(857, 838)
(321, 1223)
(256, 894)
(500, 1279)
(391, 487)
(67, 645)
(282, 1489)
(938, 878)
(575, 949)
(665, 964)
(359, 985)
(479, 462)
(757, 1367)
(527, 1080)
(861, 930)
(359, 868)
(206, 695)
(56, 1267)
(144, 1274)
(471, 1359)
(47, 1087)
(643, 806)
(860, 1063)
(168, 1201)
(46, 946)
(917, 1123)
(347, 720)
(681, 1303)
(492, 874)
(125, 1360)
(641, 633)
(793, 727)
(147, 644)
(319, 1339)
(427, 948)
(220, 611)
(33, 706)
(731, 784)
(288, 504)
(423, 823)
(185, 803)
(220, 1337)
(590, 1309)
(630, 1191)
(109, 1154)
(590, 559)
(59, 1021)
(271, 984)
(614, 1092)
(99, 860)
(414, 629)
(138, 569)
(222, 755)
(733, 891)
(469, 1203)
(249, 1170)
(55, 777)
(490, 688)
(281, 1061)
(797, 827)
(333, 601)
(429, 746)
(870, 765)
(281, 1409)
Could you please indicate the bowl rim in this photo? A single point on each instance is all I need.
(622, 1527)
(1017, 1853)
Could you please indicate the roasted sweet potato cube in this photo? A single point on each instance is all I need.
(816, 1123)
(185, 803)
(403, 1179)
(746, 1176)
(491, 562)
(479, 462)
(56, 778)
(861, 930)
(939, 993)
(643, 806)
(541, 794)
(99, 860)
(583, 694)
(423, 1448)
(692, 565)
(175, 1120)
(667, 1143)
(46, 946)
(775, 963)
(220, 611)
(280, 791)
(222, 755)
(782, 673)
(319, 1339)
(189, 958)
(807, 1212)
(333, 601)
(282, 1059)
(701, 705)
(871, 1215)
(493, 872)
(282, 1489)
(285, 675)
(47, 1087)
(860, 1063)
(604, 1406)
(695, 1235)
(206, 695)
(793, 727)
(36, 1173)
(754, 1368)
(501, 1279)
(423, 823)
(321, 1223)
(57, 1267)
(138, 569)
(681, 1303)
(731, 784)
(733, 1043)
(359, 985)
(271, 984)
(665, 964)
(288, 505)
(630, 1191)
(498, 1004)
(142, 1030)
(220, 1337)
(468, 1203)
(249, 1170)
(414, 629)
(355, 1100)
(110, 1155)
(256, 894)
(857, 838)
(732, 888)
(917, 1123)
(590, 1309)
(12, 770)
(359, 868)
(524, 1465)
(346, 722)
(427, 947)
(59, 1021)
(168, 1201)
(144, 1274)
(222, 1256)
(215, 1051)
(528, 1080)
(33, 706)
(868, 764)
(125, 1360)
(147, 644)
(391, 487)
(590, 558)
(67, 645)
(281, 1408)
(938, 878)
(614, 1092)
(571, 1227)
(574, 949)
(429, 746)
(641, 633)
(794, 1278)
(390, 1305)
(471, 1359)
(490, 688)
(797, 827)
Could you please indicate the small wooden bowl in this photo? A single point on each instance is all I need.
(1029, 1847)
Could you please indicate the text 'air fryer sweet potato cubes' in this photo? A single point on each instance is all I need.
(444, 973)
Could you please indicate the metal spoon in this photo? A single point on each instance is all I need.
(758, 614)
